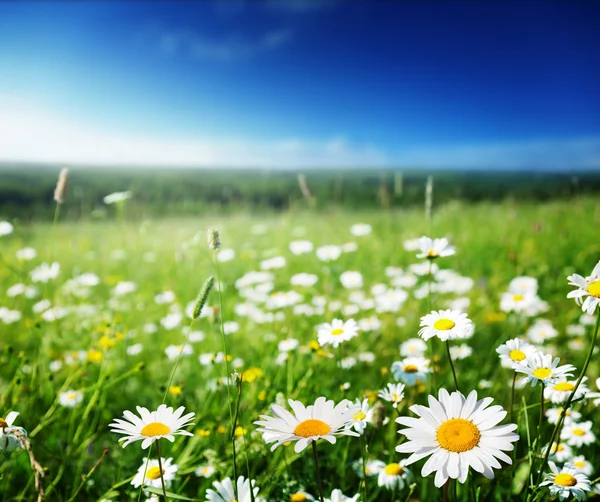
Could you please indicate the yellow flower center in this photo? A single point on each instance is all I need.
(312, 427)
(71, 396)
(154, 472)
(518, 298)
(395, 397)
(155, 429)
(431, 253)
(564, 479)
(579, 463)
(579, 432)
(393, 469)
(594, 289)
(337, 331)
(444, 324)
(359, 415)
(298, 497)
(542, 373)
(564, 386)
(516, 355)
(410, 368)
(3, 424)
(458, 435)
(560, 447)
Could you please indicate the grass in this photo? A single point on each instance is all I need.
(495, 242)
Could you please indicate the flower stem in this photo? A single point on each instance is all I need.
(319, 482)
(512, 396)
(451, 364)
(363, 442)
(162, 479)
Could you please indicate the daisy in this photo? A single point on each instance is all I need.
(446, 325)
(461, 352)
(351, 279)
(434, 248)
(567, 482)
(560, 391)
(153, 473)
(70, 398)
(26, 254)
(542, 368)
(581, 464)
(518, 302)
(301, 247)
(8, 440)
(413, 347)
(225, 492)
(323, 420)
(553, 415)
(393, 393)
(6, 228)
(411, 370)
(45, 272)
(329, 253)
(372, 467)
(541, 330)
(363, 415)
(578, 434)
(152, 426)
(457, 433)
(338, 496)
(523, 285)
(304, 280)
(559, 452)
(301, 497)
(394, 476)
(588, 288)
(337, 332)
(360, 229)
(514, 352)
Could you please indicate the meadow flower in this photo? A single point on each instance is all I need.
(588, 288)
(372, 467)
(582, 465)
(560, 452)
(301, 497)
(273, 263)
(45, 272)
(124, 288)
(412, 244)
(225, 492)
(230, 327)
(553, 414)
(393, 393)
(363, 415)
(329, 253)
(457, 433)
(195, 336)
(304, 280)
(523, 285)
(26, 254)
(172, 320)
(351, 279)
(205, 471)
(434, 248)
(337, 332)
(460, 351)
(225, 255)
(369, 323)
(514, 352)
(153, 473)
(411, 370)
(8, 440)
(8, 316)
(424, 268)
(413, 347)
(394, 476)
(540, 367)
(518, 302)
(338, 496)
(349, 247)
(301, 247)
(446, 325)
(578, 434)
(173, 351)
(360, 229)
(164, 297)
(116, 197)
(566, 482)
(560, 391)
(541, 330)
(135, 349)
(70, 398)
(152, 426)
(323, 420)
(6, 228)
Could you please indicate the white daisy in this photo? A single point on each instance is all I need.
(301, 247)
(225, 492)
(205, 471)
(553, 414)
(304, 280)
(45, 272)
(323, 420)
(514, 352)
(153, 473)
(372, 467)
(152, 426)
(541, 331)
(524, 303)
(581, 464)
(301, 497)
(434, 248)
(363, 415)
(26, 254)
(411, 370)
(329, 253)
(6, 228)
(117, 197)
(542, 368)
(351, 279)
(70, 398)
(523, 285)
(461, 351)
(578, 434)
(337, 332)
(446, 325)
(567, 482)
(588, 288)
(393, 393)
(394, 476)
(338, 496)
(413, 347)
(457, 433)
(8, 441)
(560, 391)
(560, 452)
(360, 229)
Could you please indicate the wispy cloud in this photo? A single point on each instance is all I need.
(232, 48)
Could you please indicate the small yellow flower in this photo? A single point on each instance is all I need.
(175, 390)
(251, 374)
(94, 355)
(221, 429)
(240, 431)
(262, 395)
(203, 433)
(492, 317)
(314, 345)
(384, 371)
(106, 342)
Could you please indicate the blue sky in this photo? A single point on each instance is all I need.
(273, 83)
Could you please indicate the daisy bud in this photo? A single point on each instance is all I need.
(61, 186)
(214, 240)
(203, 296)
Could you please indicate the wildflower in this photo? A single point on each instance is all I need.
(351, 279)
(446, 325)
(372, 467)
(461, 352)
(411, 370)
(152, 426)
(273, 263)
(578, 434)
(393, 393)
(288, 345)
(363, 414)
(560, 391)
(301, 247)
(566, 482)
(394, 476)
(328, 253)
(6, 228)
(173, 351)
(301, 497)
(553, 414)
(434, 248)
(205, 471)
(172, 320)
(224, 491)
(225, 255)
(588, 288)
(360, 229)
(541, 331)
(70, 398)
(337, 332)
(26, 254)
(542, 368)
(413, 347)
(153, 473)
(581, 464)
(457, 433)
(338, 496)
(8, 440)
(124, 288)
(559, 452)
(323, 420)
(514, 352)
(45, 272)
(117, 197)
(304, 280)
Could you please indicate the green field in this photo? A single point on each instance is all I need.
(82, 460)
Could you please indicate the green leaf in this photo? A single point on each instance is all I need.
(171, 495)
